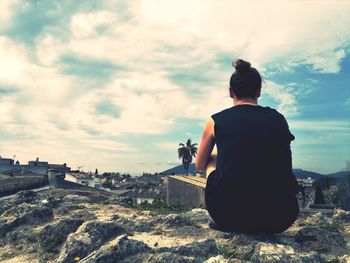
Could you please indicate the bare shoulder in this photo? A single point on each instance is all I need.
(211, 124)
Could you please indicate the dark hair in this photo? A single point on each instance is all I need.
(245, 81)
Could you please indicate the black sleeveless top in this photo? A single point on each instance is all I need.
(254, 155)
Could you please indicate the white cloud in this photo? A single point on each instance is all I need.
(322, 125)
(84, 25)
(13, 62)
(160, 38)
(39, 83)
(6, 12)
(287, 103)
(328, 62)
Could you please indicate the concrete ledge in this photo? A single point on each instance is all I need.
(194, 180)
(321, 206)
(187, 191)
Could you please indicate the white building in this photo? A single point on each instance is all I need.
(306, 182)
(81, 178)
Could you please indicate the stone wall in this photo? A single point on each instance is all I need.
(17, 169)
(187, 191)
(13, 185)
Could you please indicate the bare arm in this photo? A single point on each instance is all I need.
(206, 146)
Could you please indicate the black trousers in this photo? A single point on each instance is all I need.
(251, 212)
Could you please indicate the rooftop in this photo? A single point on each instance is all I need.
(81, 175)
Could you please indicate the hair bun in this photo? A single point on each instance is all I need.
(242, 66)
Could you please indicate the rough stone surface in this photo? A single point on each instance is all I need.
(217, 259)
(90, 226)
(199, 250)
(188, 231)
(173, 220)
(242, 246)
(88, 237)
(51, 201)
(341, 215)
(26, 196)
(275, 253)
(24, 214)
(344, 259)
(319, 239)
(116, 250)
(53, 235)
(121, 200)
(166, 257)
(198, 215)
(76, 198)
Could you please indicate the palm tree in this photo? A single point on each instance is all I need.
(186, 152)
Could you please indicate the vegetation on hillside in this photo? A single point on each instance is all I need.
(159, 206)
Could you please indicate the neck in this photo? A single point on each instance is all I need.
(250, 101)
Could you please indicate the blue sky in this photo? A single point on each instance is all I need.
(117, 85)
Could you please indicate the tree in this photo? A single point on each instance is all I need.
(322, 189)
(186, 152)
(324, 182)
(343, 193)
(319, 199)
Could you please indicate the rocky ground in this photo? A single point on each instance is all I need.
(85, 226)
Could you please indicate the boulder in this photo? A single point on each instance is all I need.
(22, 235)
(321, 220)
(53, 235)
(316, 219)
(51, 201)
(116, 250)
(24, 214)
(29, 212)
(341, 215)
(88, 237)
(241, 246)
(344, 259)
(319, 239)
(198, 215)
(26, 196)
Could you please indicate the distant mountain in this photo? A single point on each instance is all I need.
(299, 173)
(180, 170)
(338, 175)
(303, 174)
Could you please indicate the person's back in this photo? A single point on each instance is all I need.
(252, 188)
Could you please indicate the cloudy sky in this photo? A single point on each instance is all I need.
(116, 85)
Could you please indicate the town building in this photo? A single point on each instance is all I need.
(6, 161)
(59, 169)
(80, 178)
(308, 182)
(10, 167)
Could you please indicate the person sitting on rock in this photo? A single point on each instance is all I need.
(250, 184)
